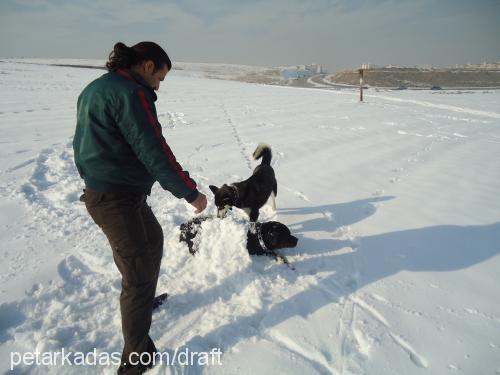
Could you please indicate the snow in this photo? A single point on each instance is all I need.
(394, 201)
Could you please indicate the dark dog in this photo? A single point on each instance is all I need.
(251, 194)
(266, 238)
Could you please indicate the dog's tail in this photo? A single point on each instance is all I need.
(263, 151)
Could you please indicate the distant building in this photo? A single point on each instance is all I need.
(301, 71)
(314, 68)
(483, 66)
(294, 73)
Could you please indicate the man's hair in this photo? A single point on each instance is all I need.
(123, 57)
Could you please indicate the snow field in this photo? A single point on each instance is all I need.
(394, 202)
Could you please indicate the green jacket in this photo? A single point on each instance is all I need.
(118, 141)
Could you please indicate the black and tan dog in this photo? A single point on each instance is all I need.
(264, 240)
(249, 195)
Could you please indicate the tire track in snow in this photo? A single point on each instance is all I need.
(414, 356)
(370, 310)
(351, 340)
(315, 358)
(346, 338)
(417, 359)
(343, 332)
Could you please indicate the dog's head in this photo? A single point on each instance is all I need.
(225, 198)
(277, 235)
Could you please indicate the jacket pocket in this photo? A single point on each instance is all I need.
(126, 233)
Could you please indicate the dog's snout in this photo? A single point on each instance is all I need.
(221, 212)
(293, 241)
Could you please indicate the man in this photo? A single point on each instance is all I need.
(120, 152)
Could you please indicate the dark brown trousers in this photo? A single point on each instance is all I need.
(136, 239)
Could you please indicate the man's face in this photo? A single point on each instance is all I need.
(153, 78)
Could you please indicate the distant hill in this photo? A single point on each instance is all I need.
(421, 78)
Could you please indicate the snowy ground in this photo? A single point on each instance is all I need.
(395, 203)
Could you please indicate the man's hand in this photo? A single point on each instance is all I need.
(199, 203)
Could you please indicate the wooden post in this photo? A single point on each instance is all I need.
(361, 71)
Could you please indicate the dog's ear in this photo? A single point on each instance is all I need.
(213, 188)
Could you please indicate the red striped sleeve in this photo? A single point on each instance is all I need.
(170, 155)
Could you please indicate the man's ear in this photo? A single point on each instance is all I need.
(213, 188)
(149, 66)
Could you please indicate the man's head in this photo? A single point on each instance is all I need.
(147, 59)
(150, 73)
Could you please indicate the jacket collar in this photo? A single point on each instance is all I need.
(136, 77)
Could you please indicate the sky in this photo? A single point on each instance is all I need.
(338, 34)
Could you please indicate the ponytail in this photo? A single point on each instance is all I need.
(123, 57)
